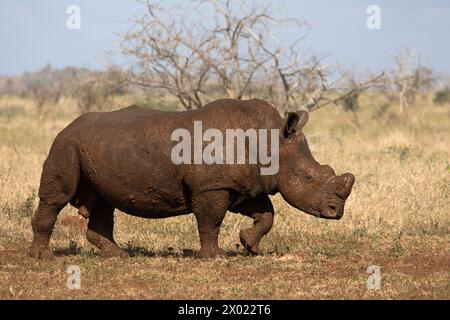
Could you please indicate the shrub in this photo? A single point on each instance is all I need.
(26, 208)
(442, 97)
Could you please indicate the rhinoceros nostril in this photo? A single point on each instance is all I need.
(331, 211)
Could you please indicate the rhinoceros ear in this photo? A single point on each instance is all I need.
(303, 119)
(295, 121)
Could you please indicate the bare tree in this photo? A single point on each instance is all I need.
(169, 55)
(184, 57)
(232, 44)
(344, 91)
(409, 78)
(94, 91)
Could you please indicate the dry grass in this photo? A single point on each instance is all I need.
(398, 217)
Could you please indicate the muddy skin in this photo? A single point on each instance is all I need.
(122, 159)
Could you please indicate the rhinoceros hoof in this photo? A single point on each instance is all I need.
(38, 252)
(207, 253)
(248, 241)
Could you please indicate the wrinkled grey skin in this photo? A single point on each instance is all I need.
(121, 159)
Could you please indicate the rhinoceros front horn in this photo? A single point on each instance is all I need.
(344, 185)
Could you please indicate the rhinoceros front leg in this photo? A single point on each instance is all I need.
(100, 230)
(209, 209)
(261, 210)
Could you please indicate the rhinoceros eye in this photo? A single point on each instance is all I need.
(304, 173)
(308, 173)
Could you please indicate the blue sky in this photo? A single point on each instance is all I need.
(33, 33)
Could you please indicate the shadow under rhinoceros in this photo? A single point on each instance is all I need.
(65, 252)
(138, 251)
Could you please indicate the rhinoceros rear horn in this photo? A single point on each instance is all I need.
(295, 122)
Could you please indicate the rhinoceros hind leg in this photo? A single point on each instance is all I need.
(58, 186)
(100, 230)
(42, 223)
(209, 209)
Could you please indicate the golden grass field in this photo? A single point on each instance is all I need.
(397, 217)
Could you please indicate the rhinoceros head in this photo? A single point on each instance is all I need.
(302, 181)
